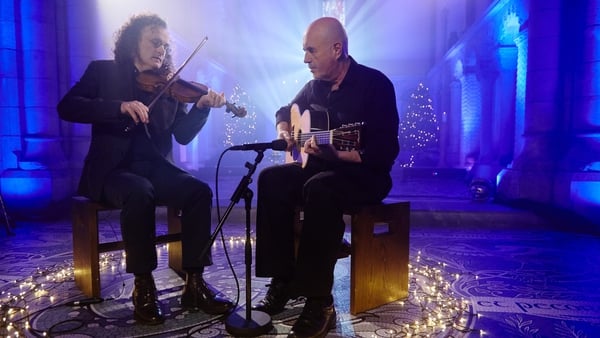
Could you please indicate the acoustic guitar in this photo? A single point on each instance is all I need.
(346, 138)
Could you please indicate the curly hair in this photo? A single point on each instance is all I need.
(129, 35)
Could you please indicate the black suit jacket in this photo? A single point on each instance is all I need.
(96, 99)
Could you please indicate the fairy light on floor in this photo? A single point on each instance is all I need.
(442, 312)
(18, 296)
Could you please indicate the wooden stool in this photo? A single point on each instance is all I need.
(379, 255)
(379, 258)
(87, 248)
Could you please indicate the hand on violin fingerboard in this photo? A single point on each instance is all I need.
(211, 99)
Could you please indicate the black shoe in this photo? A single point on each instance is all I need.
(277, 296)
(197, 295)
(146, 305)
(316, 319)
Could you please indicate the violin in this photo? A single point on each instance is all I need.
(179, 89)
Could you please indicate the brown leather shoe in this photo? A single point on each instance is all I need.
(198, 295)
(277, 296)
(146, 305)
(316, 319)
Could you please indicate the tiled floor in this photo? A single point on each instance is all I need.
(497, 272)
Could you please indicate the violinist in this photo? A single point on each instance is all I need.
(134, 170)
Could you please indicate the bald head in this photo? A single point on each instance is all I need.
(330, 31)
(325, 48)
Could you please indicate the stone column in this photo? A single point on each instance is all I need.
(10, 131)
(560, 160)
(532, 172)
(578, 180)
(497, 118)
(522, 43)
(470, 133)
(487, 165)
(504, 117)
(453, 125)
(39, 179)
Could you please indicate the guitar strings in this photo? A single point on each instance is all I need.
(322, 136)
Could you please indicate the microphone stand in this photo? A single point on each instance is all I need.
(248, 323)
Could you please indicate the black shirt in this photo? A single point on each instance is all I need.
(365, 95)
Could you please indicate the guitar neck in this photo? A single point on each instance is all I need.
(345, 138)
(322, 137)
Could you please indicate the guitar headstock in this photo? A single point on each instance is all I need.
(354, 127)
(347, 137)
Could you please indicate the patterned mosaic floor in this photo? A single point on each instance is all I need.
(483, 280)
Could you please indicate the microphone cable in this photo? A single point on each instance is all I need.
(236, 301)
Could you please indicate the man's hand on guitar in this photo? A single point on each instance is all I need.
(340, 144)
(284, 134)
(329, 152)
(324, 151)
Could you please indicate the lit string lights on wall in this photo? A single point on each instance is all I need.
(431, 309)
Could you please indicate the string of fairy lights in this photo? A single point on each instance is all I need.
(245, 130)
(419, 127)
(241, 130)
(440, 312)
(21, 299)
(418, 131)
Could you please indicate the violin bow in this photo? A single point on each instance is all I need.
(173, 79)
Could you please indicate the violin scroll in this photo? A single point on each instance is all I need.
(235, 110)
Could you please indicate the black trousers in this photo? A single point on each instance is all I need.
(137, 190)
(323, 194)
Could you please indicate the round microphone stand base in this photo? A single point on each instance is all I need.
(239, 326)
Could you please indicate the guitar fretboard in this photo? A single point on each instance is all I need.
(338, 137)
(322, 137)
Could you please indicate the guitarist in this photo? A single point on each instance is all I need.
(347, 92)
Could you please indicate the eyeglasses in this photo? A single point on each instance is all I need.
(157, 43)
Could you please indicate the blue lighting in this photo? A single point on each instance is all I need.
(26, 190)
(258, 59)
(586, 192)
(585, 197)
(510, 29)
(591, 115)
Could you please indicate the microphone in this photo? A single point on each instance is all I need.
(279, 144)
